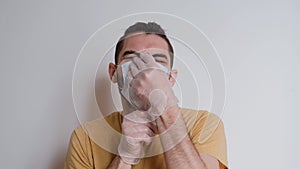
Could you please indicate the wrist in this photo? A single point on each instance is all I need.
(169, 118)
(129, 161)
(129, 153)
(171, 99)
(117, 163)
(172, 127)
(123, 164)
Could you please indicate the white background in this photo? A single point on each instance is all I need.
(258, 42)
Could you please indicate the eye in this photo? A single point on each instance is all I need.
(161, 58)
(128, 57)
(160, 61)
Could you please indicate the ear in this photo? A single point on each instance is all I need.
(173, 76)
(112, 72)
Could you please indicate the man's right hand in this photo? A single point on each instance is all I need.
(150, 87)
(137, 132)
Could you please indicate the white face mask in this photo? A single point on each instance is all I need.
(125, 90)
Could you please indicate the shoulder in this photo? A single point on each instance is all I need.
(201, 117)
(85, 130)
(200, 114)
(202, 123)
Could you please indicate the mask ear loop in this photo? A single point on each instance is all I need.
(170, 75)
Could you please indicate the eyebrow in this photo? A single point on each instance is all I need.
(128, 52)
(160, 55)
(156, 55)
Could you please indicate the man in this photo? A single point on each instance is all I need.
(151, 117)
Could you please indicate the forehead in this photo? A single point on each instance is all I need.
(145, 42)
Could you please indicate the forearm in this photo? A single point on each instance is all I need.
(184, 155)
(179, 150)
(117, 163)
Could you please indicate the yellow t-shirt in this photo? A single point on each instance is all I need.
(94, 144)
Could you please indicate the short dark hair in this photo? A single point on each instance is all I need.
(147, 28)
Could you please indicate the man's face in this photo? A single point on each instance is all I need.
(151, 44)
(142, 43)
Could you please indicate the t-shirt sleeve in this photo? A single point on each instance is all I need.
(79, 151)
(208, 137)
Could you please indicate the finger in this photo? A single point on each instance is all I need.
(144, 131)
(153, 127)
(133, 69)
(144, 139)
(148, 59)
(140, 64)
(147, 140)
(129, 76)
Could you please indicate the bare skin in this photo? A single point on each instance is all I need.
(183, 155)
(117, 163)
